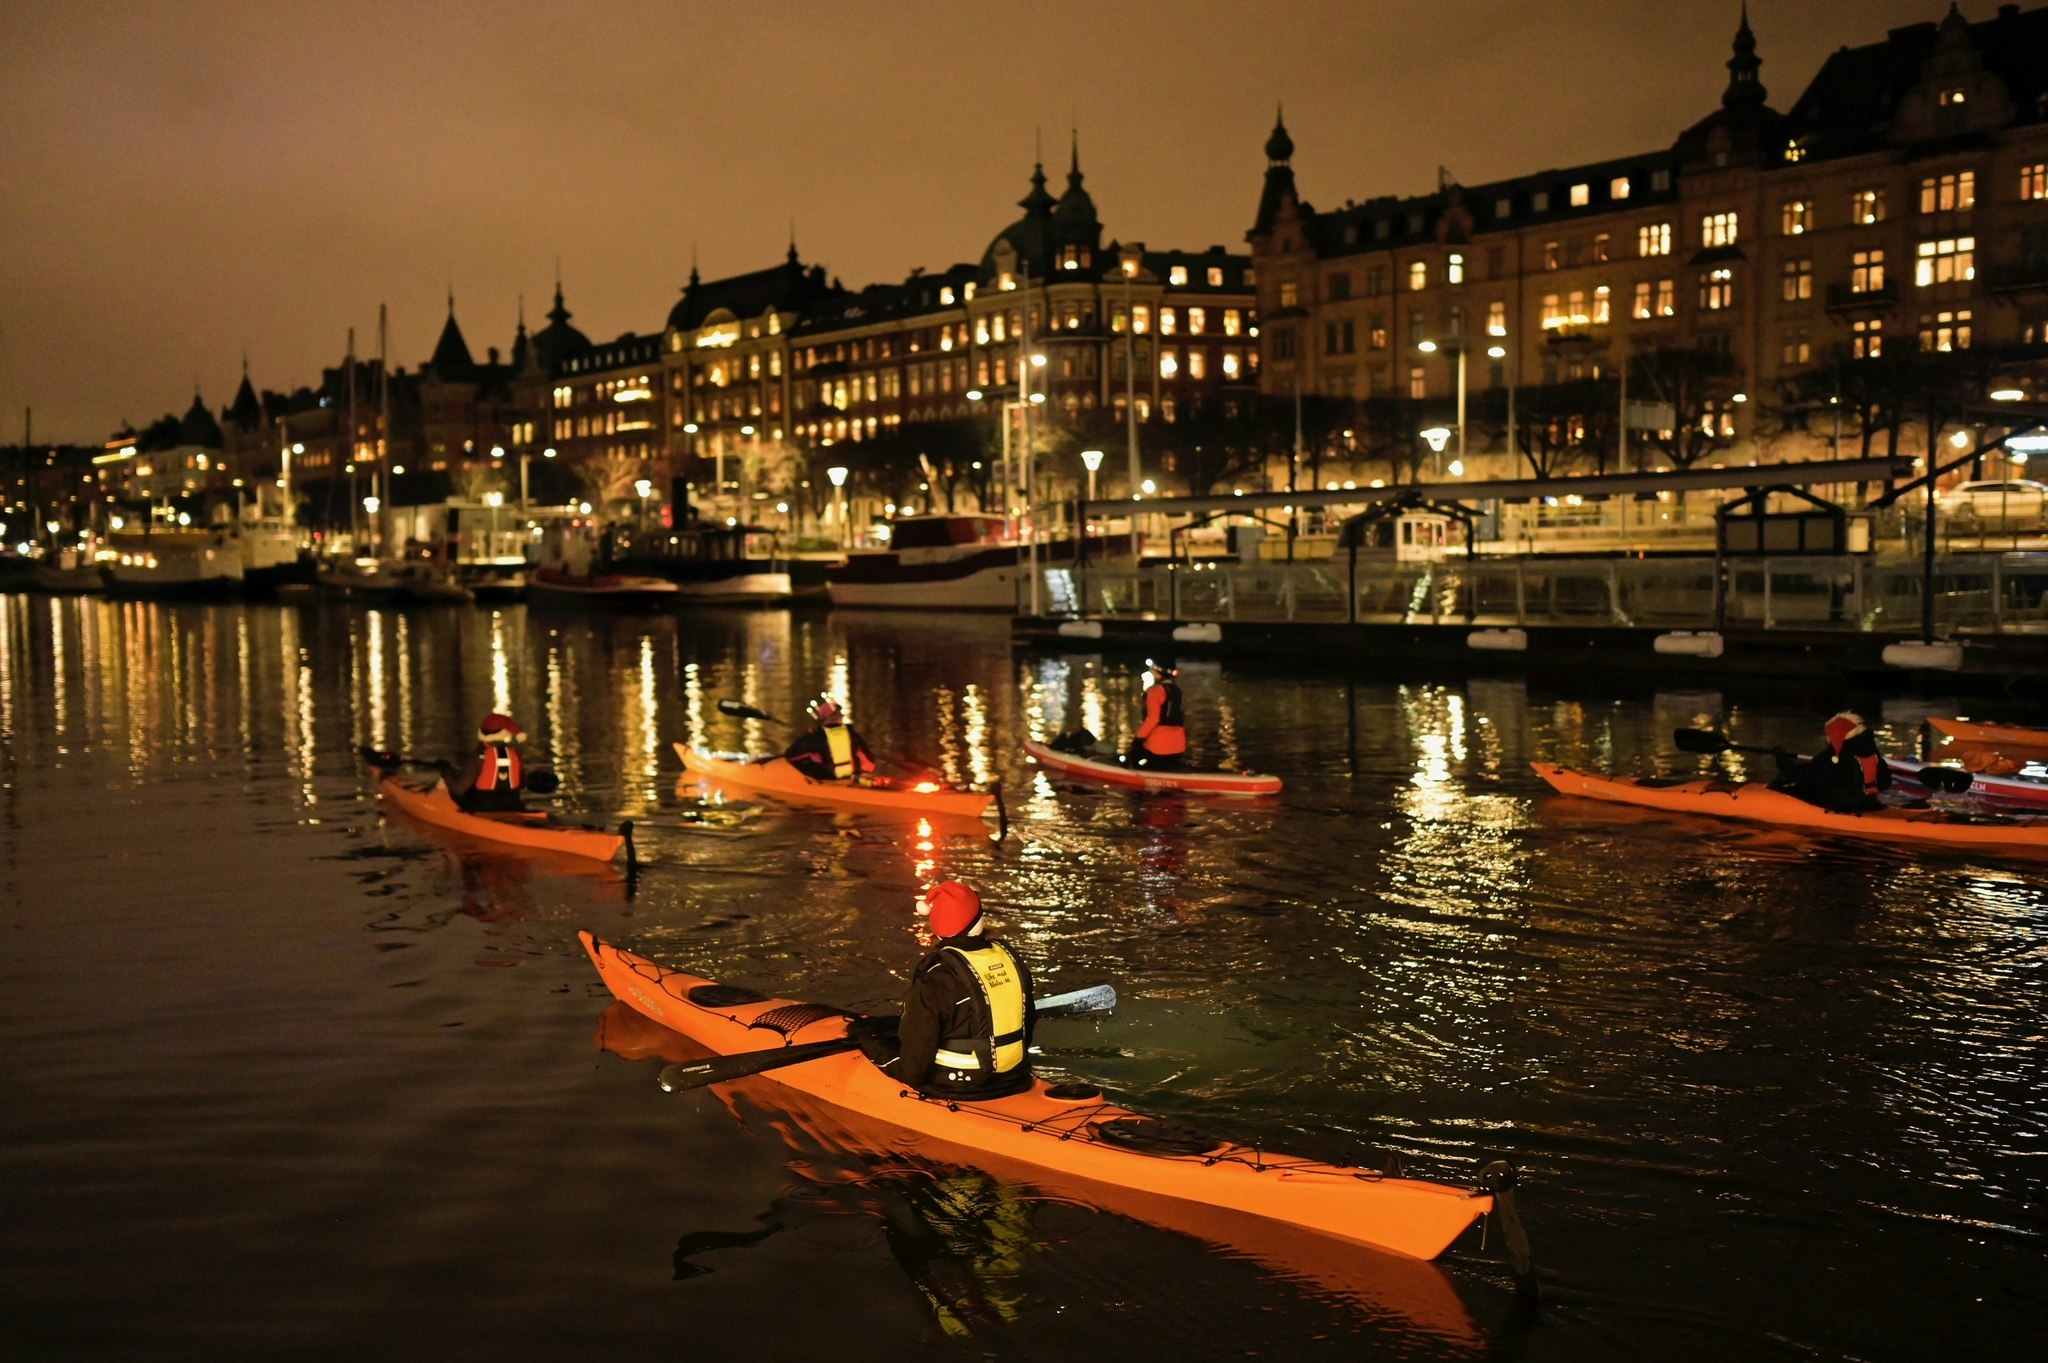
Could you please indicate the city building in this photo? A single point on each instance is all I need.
(1733, 280)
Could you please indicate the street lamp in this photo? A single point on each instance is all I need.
(494, 499)
(837, 473)
(643, 487)
(1431, 348)
(1091, 460)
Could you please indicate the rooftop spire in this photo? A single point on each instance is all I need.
(1279, 147)
(792, 257)
(1744, 87)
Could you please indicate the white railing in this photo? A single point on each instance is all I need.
(1987, 593)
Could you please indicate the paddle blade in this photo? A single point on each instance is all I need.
(739, 711)
(1947, 780)
(377, 757)
(1700, 741)
(1097, 998)
(543, 782)
(720, 1069)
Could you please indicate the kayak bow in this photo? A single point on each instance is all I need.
(777, 777)
(1991, 735)
(1068, 1129)
(1110, 773)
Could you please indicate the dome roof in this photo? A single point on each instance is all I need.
(199, 428)
(557, 341)
(1031, 236)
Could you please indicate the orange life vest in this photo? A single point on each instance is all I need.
(500, 768)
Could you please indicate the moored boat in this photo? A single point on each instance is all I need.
(948, 562)
(172, 563)
(554, 586)
(2014, 736)
(2001, 791)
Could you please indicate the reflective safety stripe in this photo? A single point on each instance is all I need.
(840, 744)
(501, 767)
(1002, 993)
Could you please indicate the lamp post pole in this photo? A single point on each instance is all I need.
(1131, 264)
(837, 473)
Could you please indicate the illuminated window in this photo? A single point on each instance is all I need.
(1215, 276)
(1178, 274)
(1168, 321)
(1198, 321)
(1233, 321)
(1798, 347)
(1575, 308)
(1797, 280)
(1230, 364)
(1418, 382)
(1945, 330)
(1945, 261)
(1141, 317)
(1654, 239)
(1497, 318)
(1418, 275)
(1601, 243)
(1553, 312)
(1617, 188)
(1719, 229)
(967, 292)
(1197, 363)
(1867, 272)
(1454, 270)
(1948, 193)
(1796, 217)
(1376, 333)
(1717, 289)
(1866, 339)
(1796, 149)
(1169, 364)
(1553, 255)
(1290, 294)
(1950, 96)
(1603, 300)
(2034, 181)
(1581, 195)
(1641, 307)
(946, 294)
(1866, 206)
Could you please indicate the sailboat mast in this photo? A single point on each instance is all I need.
(383, 473)
(355, 504)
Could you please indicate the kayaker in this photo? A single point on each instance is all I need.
(1162, 741)
(1846, 776)
(495, 780)
(832, 749)
(966, 1027)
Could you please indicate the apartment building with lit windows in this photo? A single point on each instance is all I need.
(1902, 199)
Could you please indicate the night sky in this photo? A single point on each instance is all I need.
(181, 182)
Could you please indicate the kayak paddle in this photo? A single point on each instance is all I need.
(1706, 742)
(719, 1069)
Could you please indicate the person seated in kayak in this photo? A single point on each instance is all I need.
(832, 750)
(1846, 776)
(966, 1028)
(1162, 741)
(494, 782)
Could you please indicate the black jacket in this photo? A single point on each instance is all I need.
(945, 1005)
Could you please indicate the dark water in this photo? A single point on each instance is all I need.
(284, 1081)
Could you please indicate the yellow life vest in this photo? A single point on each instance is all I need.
(840, 744)
(1002, 993)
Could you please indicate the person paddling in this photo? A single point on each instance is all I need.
(1846, 776)
(965, 1032)
(495, 780)
(832, 749)
(1162, 741)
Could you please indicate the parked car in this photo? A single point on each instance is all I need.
(2004, 501)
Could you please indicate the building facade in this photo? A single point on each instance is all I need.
(1900, 204)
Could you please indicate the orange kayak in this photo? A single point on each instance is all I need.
(1756, 802)
(1069, 1129)
(537, 829)
(777, 777)
(1110, 773)
(1991, 735)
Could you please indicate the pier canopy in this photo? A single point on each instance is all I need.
(1817, 473)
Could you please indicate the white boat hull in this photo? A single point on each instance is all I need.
(987, 589)
(740, 587)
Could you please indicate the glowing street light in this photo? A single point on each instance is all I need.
(1437, 436)
(2008, 395)
(1091, 460)
(837, 473)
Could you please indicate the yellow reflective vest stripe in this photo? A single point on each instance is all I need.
(840, 744)
(1002, 992)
